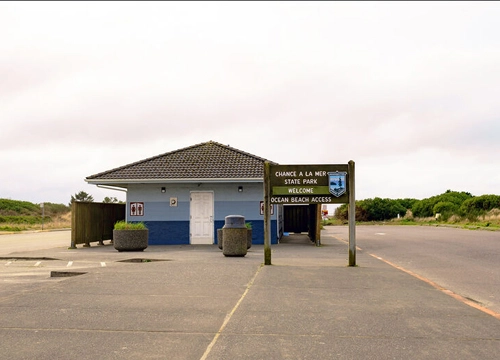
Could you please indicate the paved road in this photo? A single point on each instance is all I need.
(30, 241)
(466, 262)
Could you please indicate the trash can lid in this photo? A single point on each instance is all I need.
(234, 221)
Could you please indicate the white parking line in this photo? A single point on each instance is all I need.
(228, 316)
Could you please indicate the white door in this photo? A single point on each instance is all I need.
(201, 225)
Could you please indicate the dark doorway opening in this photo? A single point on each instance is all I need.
(302, 219)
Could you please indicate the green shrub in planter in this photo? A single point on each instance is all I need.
(122, 225)
(248, 225)
(130, 236)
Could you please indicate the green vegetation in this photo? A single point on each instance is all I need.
(18, 215)
(122, 225)
(81, 196)
(377, 209)
(451, 208)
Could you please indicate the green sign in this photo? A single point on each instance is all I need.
(309, 184)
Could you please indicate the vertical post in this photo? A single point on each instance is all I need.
(43, 212)
(318, 225)
(74, 226)
(267, 216)
(352, 215)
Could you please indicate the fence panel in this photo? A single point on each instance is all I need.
(92, 222)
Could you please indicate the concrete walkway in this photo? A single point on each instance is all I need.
(191, 302)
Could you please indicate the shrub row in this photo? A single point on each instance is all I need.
(450, 203)
(18, 208)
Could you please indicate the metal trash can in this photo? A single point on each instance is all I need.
(234, 235)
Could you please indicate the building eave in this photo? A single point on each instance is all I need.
(124, 182)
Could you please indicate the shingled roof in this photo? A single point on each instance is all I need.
(205, 161)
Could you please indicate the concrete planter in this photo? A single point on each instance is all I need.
(130, 240)
(220, 238)
(249, 238)
(235, 242)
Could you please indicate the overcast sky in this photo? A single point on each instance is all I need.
(408, 90)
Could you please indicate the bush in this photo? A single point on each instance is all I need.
(479, 205)
(376, 209)
(55, 209)
(15, 207)
(452, 199)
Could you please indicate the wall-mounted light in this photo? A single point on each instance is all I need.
(163, 190)
(240, 188)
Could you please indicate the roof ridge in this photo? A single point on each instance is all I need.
(169, 153)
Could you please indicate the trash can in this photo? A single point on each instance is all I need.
(234, 235)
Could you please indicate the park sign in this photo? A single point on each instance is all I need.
(309, 184)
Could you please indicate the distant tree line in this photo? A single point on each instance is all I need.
(84, 197)
(461, 204)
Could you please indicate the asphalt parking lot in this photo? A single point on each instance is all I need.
(191, 302)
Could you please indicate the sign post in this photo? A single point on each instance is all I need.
(310, 184)
(42, 205)
(352, 216)
(267, 217)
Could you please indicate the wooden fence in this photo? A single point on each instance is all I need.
(94, 221)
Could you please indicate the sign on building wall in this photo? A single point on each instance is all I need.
(309, 184)
(262, 208)
(136, 209)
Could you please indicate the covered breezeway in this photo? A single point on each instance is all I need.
(302, 219)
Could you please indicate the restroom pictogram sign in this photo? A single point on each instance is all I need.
(136, 209)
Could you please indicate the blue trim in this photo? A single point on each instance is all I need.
(177, 232)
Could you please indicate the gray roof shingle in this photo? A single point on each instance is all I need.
(209, 160)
